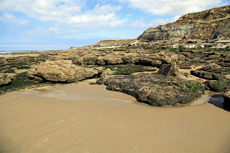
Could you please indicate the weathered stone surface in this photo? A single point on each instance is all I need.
(131, 58)
(155, 60)
(226, 97)
(155, 89)
(107, 72)
(210, 68)
(217, 86)
(62, 71)
(169, 69)
(214, 57)
(110, 59)
(183, 49)
(207, 75)
(225, 64)
(109, 43)
(2, 61)
(6, 78)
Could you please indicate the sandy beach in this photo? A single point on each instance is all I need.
(90, 119)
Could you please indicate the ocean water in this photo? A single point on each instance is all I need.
(8, 52)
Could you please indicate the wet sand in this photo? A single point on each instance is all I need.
(88, 118)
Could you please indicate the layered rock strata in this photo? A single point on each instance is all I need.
(201, 25)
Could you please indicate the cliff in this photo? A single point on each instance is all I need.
(207, 24)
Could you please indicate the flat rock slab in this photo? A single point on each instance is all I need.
(62, 71)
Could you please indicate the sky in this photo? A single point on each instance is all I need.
(61, 24)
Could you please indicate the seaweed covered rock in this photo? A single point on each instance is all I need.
(62, 71)
(155, 89)
(6, 78)
(217, 85)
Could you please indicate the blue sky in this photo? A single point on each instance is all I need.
(60, 24)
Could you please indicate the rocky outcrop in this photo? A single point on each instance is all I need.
(62, 71)
(210, 68)
(6, 78)
(155, 89)
(211, 72)
(107, 72)
(202, 25)
(217, 86)
(169, 69)
(155, 60)
(207, 75)
(110, 43)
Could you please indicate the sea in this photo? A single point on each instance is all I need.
(8, 52)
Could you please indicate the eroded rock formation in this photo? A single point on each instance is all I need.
(155, 89)
(6, 78)
(62, 71)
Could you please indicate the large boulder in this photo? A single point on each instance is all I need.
(155, 89)
(216, 85)
(6, 78)
(62, 71)
(169, 69)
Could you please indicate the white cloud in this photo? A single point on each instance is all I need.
(74, 31)
(65, 12)
(104, 9)
(13, 29)
(94, 21)
(39, 31)
(175, 7)
(8, 17)
(140, 24)
(152, 23)
(54, 30)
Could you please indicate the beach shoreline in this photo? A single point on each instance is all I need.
(88, 118)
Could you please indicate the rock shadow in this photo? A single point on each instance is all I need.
(217, 100)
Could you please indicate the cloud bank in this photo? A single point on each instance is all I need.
(175, 7)
(68, 12)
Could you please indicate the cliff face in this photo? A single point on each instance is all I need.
(202, 25)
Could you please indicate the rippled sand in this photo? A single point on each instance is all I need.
(88, 118)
